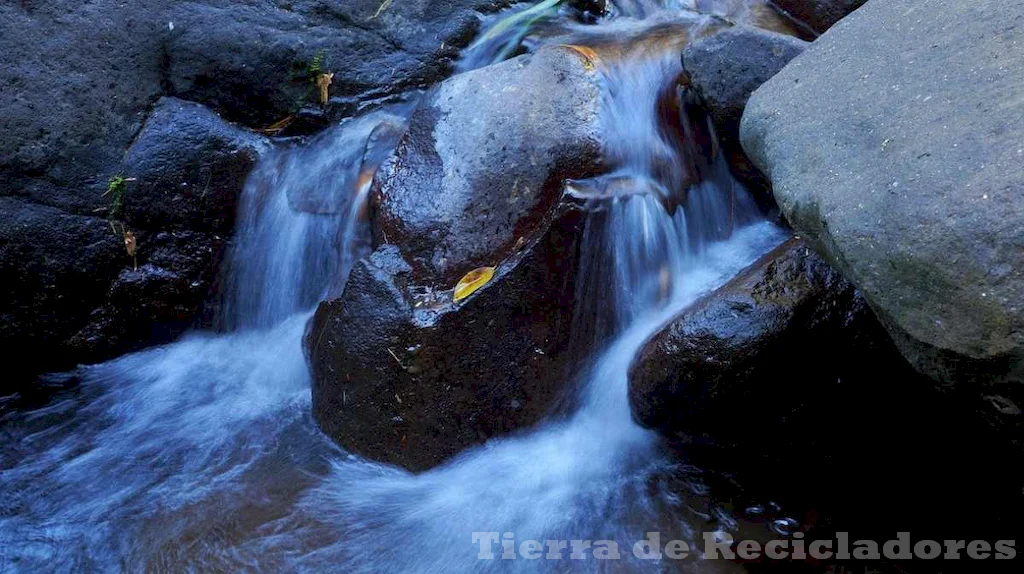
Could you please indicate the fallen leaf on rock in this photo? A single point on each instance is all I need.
(590, 57)
(323, 82)
(472, 281)
(276, 127)
(130, 247)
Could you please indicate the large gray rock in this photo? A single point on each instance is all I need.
(901, 158)
(818, 15)
(401, 372)
(485, 158)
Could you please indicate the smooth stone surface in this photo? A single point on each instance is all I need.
(900, 157)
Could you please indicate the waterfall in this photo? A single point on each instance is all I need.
(201, 455)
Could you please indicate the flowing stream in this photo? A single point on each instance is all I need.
(202, 455)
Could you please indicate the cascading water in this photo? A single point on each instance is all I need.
(201, 455)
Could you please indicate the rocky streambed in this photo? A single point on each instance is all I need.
(415, 270)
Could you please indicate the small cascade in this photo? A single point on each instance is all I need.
(202, 455)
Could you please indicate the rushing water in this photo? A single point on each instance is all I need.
(202, 455)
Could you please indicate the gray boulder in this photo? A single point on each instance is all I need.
(818, 15)
(485, 158)
(900, 158)
(402, 372)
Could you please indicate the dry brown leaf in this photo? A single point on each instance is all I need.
(276, 127)
(323, 83)
(472, 281)
(130, 246)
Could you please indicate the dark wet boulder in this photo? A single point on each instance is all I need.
(723, 70)
(55, 268)
(188, 168)
(591, 7)
(403, 374)
(80, 80)
(77, 286)
(818, 15)
(484, 160)
(256, 61)
(155, 302)
(79, 77)
(734, 361)
(785, 381)
(908, 178)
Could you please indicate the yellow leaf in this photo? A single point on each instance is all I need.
(590, 57)
(276, 127)
(472, 281)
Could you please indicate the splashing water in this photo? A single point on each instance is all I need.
(202, 455)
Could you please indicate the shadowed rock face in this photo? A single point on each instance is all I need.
(900, 159)
(77, 288)
(83, 83)
(723, 70)
(484, 160)
(819, 15)
(156, 302)
(81, 76)
(189, 168)
(401, 373)
(789, 324)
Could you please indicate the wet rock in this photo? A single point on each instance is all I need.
(723, 70)
(79, 81)
(189, 168)
(155, 302)
(55, 267)
(79, 77)
(819, 15)
(734, 361)
(910, 183)
(362, 143)
(402, 374)
(256, 62)
(484, 160)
